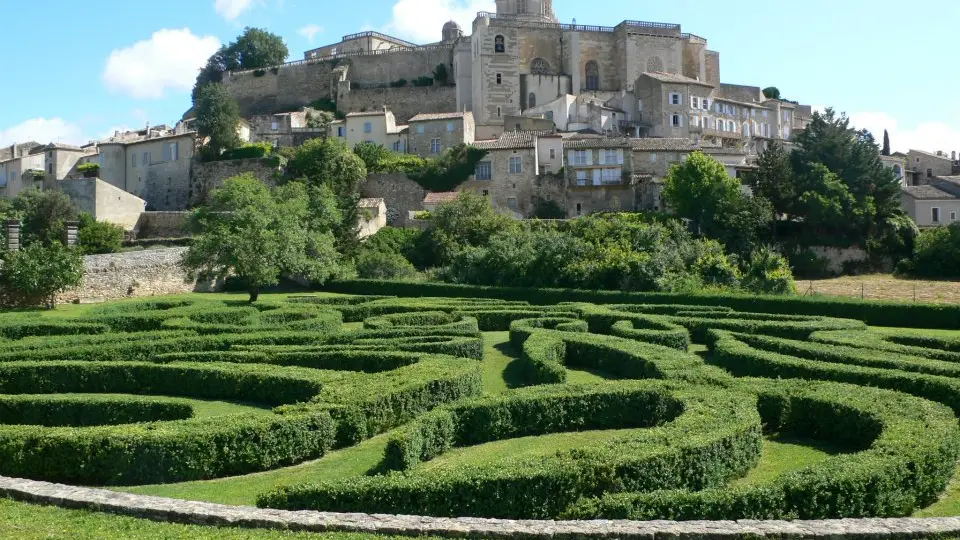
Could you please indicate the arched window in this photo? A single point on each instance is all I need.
(593, 75)
(532, 100)
(499, 44)
(898, 171)
(539, 66)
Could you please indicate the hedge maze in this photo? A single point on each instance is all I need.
(168, 391)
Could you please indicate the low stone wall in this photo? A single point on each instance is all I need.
(162, 225)
(175, 510)
(208, 176)
(136, 273)
(837, 257)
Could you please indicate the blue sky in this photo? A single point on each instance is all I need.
(80, 70)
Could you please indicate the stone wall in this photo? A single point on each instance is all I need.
(211, 514)
(285, 87)
(132, 274)
(401, 194)
(404, 103)
(369, 70)
(162, 225)
(105, 202)
(837, 257)
(209, 176)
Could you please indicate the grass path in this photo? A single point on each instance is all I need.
(24, 521)
(783, 454)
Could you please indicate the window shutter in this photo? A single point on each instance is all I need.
(620, 156)
(597, 178)
(589, 154)
(571, 156)
(166, 152)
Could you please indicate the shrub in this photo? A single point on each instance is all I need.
(36, 274)
(97, 237)
(379, 265)
(248, 151)
(768, 272)
(89, 170)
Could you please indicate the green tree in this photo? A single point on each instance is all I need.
(373, 155)
(468, 221)
(774, 179)
(329, 166)
(43, 214)
(771, 92)
(697, 187)
(257, 235)
(441, 74)
(217, 118)
(97, 237)
(886, 144)
(253, 49)
(37, 273)
(451, 169)
(937, 253)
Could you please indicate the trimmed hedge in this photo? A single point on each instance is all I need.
(906, 450)
(716, 438)
(84, 411)
(881, 342)
(875, 313)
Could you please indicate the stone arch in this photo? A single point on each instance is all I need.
(539, 66)
(499, 44)
(532, 100)
(654, 64)
(592, 71)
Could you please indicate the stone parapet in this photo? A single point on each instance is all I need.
(180, 511)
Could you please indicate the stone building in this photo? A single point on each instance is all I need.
(923, 167)
(430, 134)
(932, 205)
(508, 173)
(377, 127)
(897, 164)
(599, 175)
(21, 169)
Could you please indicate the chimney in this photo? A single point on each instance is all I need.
(940, 153)
(953, 155)
(13, 234)
(13, 150)
(70, 233)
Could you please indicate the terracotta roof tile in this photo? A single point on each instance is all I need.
(441, 197)
(927, 192)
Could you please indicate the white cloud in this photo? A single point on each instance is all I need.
(422, 20)
(168, 60)
(231, 9)
(42, 130)
(310, 31)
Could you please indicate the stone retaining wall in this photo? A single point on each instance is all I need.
(131, 274)
(175, 510)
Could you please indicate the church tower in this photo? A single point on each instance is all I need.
(534, 10)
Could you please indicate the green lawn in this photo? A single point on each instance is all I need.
(23, 521)
(782, 454)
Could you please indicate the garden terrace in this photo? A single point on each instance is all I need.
(643, 407)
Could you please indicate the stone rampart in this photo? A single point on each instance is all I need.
(210, 175)
(401, 195)
(180, 511)
(404, 103)
(136, 273)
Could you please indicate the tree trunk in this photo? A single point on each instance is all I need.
(254, 294)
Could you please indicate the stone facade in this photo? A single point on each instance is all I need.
(922, 167)
(508, 173)
(211, 514)
(134, 274)
(430, 134)
(210, 175)
(405, 103)
(104, 201)
(162, 225)
(401, 194)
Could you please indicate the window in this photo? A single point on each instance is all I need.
(420, 129)
(521, 6)
(676, 121)
(133, 161)
(705, 104)
(581, 178)
(695, 102)
(579, 213)
(341, 131)
(174, 152)
(512, 203)
(532, 100)
(499, 45)
(609, 155)
(435, 146)
(786, 115)
(719, 107)
(653, 157)
(953, 216)
(553, 153)
(935, 215)
(929, 173)
(898, 171)
(499, 112)
(146, 158)
(592, 70)
(765, 113)
(611, 176)
(539, 66)
(550, 115)
(499, 78)
(367, 127)
(486, 193)
(450, 127)
(275, 125)
(694, 121)
(516, 165)
(675, 98)
(640, 105)
(50, 168)
(484, 171)
(579, 157)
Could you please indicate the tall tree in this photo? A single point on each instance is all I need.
(774, 179)
(771, 92)
(329, 166)
(43, 214)
(217, 119)
(253, 49)
(886, 144)
(256, 234)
